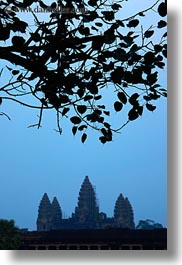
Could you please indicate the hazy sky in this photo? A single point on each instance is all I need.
(37, 161)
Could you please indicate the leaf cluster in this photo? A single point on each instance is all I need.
(68, 61)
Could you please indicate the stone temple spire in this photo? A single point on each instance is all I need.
(123, 213)
(119, 209)
(87, 209)
(130, 215)
(56, 213)
(44, 220)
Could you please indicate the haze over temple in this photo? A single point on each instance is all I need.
(86, 215)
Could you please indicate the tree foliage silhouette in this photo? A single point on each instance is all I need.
(9, 235)
(148, 225)
(85, 48)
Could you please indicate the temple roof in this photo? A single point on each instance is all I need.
(120, 197)
(45, 209)
(45, 201)
(55, 204)
(45, 197)
(55, 201)
(86, 181)
(87, 204)
(56, 209)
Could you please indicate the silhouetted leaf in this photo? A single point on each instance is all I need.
(133, 115)
(120, 54)
(159, 59)
(64, 99)
(164, 52)
(4, 33)
(94, 28)
(133, 98)
(125, 84)
(128, 40)
(15, 72)
(116, 6)
(82, 127)
(19, 26)
(97, 44)
(98, 24)
(160, 64)
(118, 106)
(88, 97)
(75, 119)
(93, 88)
(148, 33)
(41, 3)
(84, 31)
(53, 5)
(108, 15)
(74, 130)
(81, 109)
(107, 125)
(133, 23)
(98, 111)
(98, 97)
(92, 2)
(152, 78)
(106, 112)
(116, 75)
(109, 37)
(101, 106)
(18, 41)
(162, 9)
(165, 35)
(147, 98)
(122, 97)
(157, 48)
(149, 57)
(84, 137)
(120, 23)
(91, 16)
(65, 110)
(80, 92)
(103, 139)
(140, 110)
(150, 107)
(104, 132)
(162, 24)
(35, 36)
(25, 3)
(134, 48)
(141, 14)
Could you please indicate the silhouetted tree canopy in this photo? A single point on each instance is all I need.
(148, 225)
(84, 49)
(9, 235)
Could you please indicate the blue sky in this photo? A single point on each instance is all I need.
(37, 161)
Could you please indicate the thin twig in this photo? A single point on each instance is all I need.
(4, 114)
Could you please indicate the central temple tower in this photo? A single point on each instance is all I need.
(87, 210)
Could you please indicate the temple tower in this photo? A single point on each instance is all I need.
(56, 214)
(130, 215)
(44, 220)
(87, 210)
(123, 213)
